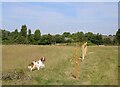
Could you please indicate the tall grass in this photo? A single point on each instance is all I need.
(99, 67)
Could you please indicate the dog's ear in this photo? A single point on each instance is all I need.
(44, 58)
(41, 59)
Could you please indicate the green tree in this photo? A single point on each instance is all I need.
(0, 36)
(24, 31)
(97, 39)
(66, 34)
(46, 39)
(22, 38)
(78, 37)
(30, 37)
(37, 35)
(89, 36)
(67, 37)
(29, 32)
(49, 38)
(115, 41)
(15, 35)
(107, 41)
(58, 38)
(5, 37)
(118, 36)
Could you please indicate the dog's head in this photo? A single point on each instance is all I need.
(43, 59)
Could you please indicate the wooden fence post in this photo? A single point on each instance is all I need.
(76, 63)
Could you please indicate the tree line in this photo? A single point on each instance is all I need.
(26, 37)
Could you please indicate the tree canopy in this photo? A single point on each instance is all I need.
(26, 37)
(118, 36)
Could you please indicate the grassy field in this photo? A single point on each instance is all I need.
(100, 66)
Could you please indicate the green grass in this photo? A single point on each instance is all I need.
(100, 66)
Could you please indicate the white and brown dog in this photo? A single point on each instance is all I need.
(37, 64)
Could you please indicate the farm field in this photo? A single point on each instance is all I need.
(100, 66)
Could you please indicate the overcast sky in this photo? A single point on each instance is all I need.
(59, 17)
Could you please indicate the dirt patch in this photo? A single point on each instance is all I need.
(15, 75)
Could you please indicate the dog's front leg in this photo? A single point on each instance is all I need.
(38, 68)
(31, 69)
